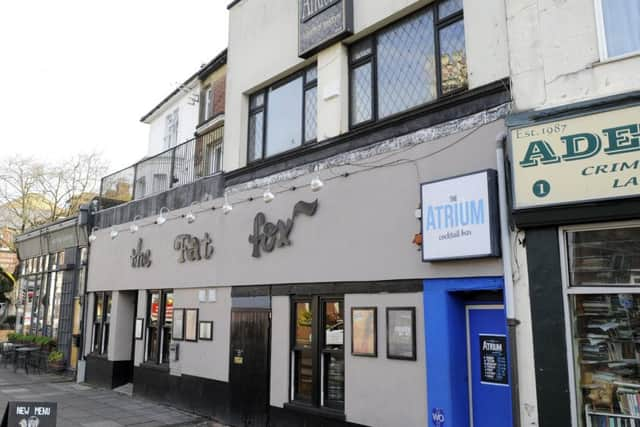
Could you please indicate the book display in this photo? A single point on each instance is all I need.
(607, 344)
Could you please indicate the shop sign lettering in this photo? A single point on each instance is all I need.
(192, 248)
(267, 235)
(322, 22)
(579, 159)
(437, 416)
(140, 258)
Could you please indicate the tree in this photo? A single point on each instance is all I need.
(34, 192)
(6, 286)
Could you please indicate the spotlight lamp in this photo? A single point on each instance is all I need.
(227, 207)
(113, 233)
(92, 236)
(162, 217)
(268, 196)
(133, 228)
(316, 184)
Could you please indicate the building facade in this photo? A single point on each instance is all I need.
(573, 139)
(348, 267)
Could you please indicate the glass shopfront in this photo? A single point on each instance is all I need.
(602, 285)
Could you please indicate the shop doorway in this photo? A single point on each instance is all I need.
(249, 366)
(488, 366)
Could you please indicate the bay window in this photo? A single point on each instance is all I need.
(283, 116)
(408, 64)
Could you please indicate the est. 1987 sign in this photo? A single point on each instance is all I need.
(587, 158)
(460, 217)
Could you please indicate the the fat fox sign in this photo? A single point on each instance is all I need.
(578, 159)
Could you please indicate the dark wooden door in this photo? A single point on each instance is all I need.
(249, 367)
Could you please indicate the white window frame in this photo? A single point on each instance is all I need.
(208, 106)
(171, 129)
(602, 35)
(568, 291)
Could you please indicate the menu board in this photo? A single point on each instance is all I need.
(493, 360)
(35, 414)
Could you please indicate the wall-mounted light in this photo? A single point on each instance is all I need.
(268, 196)
(113, 233)
(133, 228)
(92, 236)
(162, 218)
(190, 216)
(316, 184)
(226, 208)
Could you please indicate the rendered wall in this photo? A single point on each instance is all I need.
(554, 56)
(256, 27)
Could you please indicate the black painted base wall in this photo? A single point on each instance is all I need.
(213, 399)
(547, 315)
(106, 373)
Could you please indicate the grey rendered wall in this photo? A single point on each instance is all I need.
(362, 230)
(206, 359)
(398, 387)
(280, 345)
(121, 326)
(140, 344)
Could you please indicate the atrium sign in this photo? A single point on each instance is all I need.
(460, 217)
(322, 22)
(579, 159)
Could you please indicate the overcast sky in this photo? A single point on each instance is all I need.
(77, 75)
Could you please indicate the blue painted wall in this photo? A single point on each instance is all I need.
(446, 348)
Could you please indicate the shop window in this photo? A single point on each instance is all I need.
(159, 326)
(408, 64)
(101, 321)
(283, 116)
(619, 27)
(318, 352)
(603, 273)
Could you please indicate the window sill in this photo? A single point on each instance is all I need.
(618, 58)
(161, 368)
(97, 356)
(313, 410)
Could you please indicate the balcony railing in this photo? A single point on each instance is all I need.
(179, 165)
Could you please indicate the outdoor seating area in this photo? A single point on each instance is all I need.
(33, 355)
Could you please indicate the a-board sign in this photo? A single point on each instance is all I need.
(493, 360)
(30, 414)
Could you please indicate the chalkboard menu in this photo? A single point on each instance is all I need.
(493, 359)
(30, 414)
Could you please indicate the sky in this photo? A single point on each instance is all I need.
(77, 75)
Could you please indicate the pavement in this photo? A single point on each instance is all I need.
(82, 405)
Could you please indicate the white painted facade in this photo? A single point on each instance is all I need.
(255, 27)
(185, 102)
(555, 55)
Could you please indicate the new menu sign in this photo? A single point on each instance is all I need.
(460, 217)
(322, 22)
(575, 160)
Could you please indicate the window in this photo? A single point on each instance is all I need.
(101, 321)
(160, 183)
(171, 129)
(206, 103)
(603, 302)
(141, 187)
(283, 116)
(318, 352)
(408, 64)
(159, 326)
(619, 27)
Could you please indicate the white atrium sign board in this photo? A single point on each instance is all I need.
(460, 217)
(579, 159)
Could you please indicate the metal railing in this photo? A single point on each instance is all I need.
(176, 166)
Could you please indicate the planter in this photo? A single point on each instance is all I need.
(56, 366)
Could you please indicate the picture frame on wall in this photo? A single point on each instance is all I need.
(401, 333)
(178, 324)
(364, 331)
(191, 324)
(139, 329)
(205, 330)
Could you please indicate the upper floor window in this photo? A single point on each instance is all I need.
(206, 104)
(171, 129)
(283, 116)
(619, 24)
(408, 64)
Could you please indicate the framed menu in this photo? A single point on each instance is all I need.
(401, 333)
(364, 332)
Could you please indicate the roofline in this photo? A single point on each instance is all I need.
(214, 65)
(168, 97)
(60, 223)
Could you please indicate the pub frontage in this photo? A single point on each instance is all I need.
(575, 193)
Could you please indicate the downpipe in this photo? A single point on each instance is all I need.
(509, 300)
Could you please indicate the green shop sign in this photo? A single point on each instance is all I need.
(579, 159)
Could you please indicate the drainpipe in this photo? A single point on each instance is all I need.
(509, 299)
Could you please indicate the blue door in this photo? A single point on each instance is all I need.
(488, 366)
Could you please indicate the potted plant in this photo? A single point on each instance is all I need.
(56, 361)
(13, 337)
